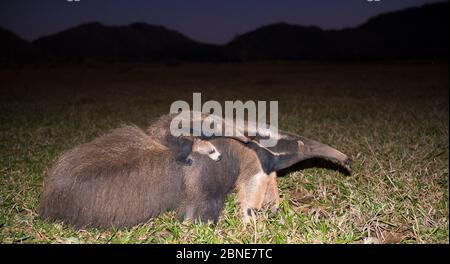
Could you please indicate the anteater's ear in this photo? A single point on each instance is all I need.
(184, 151)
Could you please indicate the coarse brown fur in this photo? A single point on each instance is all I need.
(119, 179)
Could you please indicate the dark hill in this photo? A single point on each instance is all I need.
(15, 49)
(277, 41)
(292, 42)
(135, 41)
(420, 32)
(414, 32)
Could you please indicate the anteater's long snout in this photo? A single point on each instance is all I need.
(314, 149)
(289, 153)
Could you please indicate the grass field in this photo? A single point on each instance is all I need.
(392, 118)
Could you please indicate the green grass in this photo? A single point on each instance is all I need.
(391, 118)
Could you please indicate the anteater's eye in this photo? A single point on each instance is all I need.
(211, 151)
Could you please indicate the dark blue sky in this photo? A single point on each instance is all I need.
(214, 21)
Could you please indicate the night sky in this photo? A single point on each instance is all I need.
(210, 21)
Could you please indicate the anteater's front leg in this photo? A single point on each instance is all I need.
(251, 195)
(272, 197)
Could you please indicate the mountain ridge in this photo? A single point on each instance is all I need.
(417, 32)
